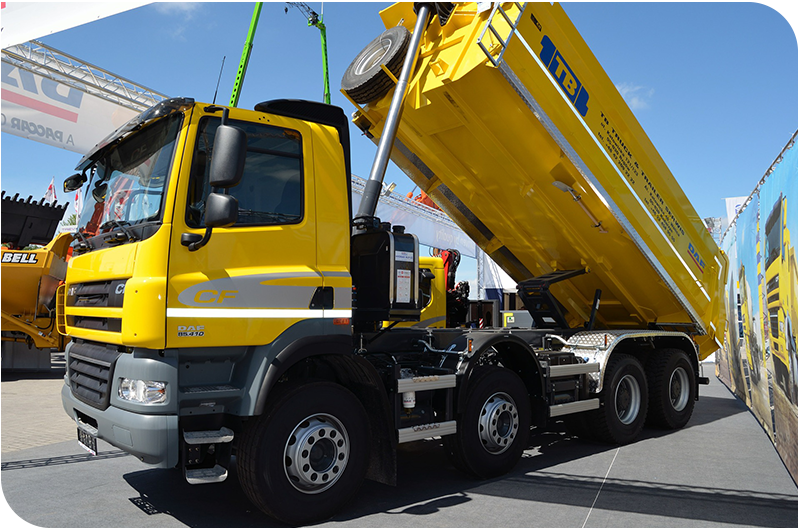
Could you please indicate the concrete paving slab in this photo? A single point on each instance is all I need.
(721, 470)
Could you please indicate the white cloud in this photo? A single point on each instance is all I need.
(638, 97)
(179, 13)
(186, 9)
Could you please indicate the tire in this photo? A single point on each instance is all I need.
(673, 389)
(328, 420)
(496, 398)
(621, 416)
(364, 80)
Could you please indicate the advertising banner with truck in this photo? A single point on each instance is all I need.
(759, 361)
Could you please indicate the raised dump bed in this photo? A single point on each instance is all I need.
(521, 137)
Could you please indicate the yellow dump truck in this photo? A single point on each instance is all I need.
(225, 298)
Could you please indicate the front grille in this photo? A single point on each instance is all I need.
(97, 294)
(99, 323)
(773, 298)
(773, 283)
(91, 367)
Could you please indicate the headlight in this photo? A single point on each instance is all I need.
(146, 392)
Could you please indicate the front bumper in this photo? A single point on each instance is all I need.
(154, 439)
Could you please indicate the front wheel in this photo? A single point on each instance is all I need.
(495, 426)
(621, 416)
(306, 456)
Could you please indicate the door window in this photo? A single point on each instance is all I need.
(271, 189)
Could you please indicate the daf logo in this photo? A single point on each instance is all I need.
(696, 258)
(191, 331)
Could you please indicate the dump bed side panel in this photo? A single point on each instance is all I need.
(540, 161)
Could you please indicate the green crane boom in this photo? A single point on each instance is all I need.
(248, 47)
(315, 20)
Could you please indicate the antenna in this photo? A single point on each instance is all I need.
(218, 78)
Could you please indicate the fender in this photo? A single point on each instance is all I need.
(297, 351)
(516, 355)
(357, 375)
(598, 346)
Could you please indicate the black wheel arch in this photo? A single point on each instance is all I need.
(516, 355)
(332, 358)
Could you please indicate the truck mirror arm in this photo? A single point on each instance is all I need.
(195, 241)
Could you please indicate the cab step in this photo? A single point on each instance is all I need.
(208, 475)
(222, 436)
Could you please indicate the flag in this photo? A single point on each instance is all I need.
(732, 207)
(78, 204)
(50, 194)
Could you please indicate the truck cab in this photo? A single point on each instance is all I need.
(138, 300)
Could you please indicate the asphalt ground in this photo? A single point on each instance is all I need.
(721, 470)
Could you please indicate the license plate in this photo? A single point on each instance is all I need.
(87, 440)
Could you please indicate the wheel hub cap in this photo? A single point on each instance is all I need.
(628, 399)
(498, 423)
(679, 389)
(375, 56)
(316, 453)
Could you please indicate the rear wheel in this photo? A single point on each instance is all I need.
(620, 418)
(495, 426)
(364, 80)
(305, 458)
(673, 389)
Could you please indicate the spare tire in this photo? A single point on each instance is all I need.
(364, 80)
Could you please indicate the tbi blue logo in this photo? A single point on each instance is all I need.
(562, 73)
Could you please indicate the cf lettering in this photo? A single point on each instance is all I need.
(227, 294)
(205, 297)
(209, 297)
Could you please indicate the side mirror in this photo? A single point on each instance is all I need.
(74, 182)
(227, 159)
(99, 192)
(221, 210)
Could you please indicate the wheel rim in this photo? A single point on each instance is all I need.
(498, 423)
(679, 389)
(316, 453)
(373, 56)
(628, 399)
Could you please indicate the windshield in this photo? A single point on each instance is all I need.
(127, 184)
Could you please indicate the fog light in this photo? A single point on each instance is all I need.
(147, 392)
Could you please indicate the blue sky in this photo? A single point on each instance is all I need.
(713, 84)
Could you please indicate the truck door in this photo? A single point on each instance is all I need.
(254, 280)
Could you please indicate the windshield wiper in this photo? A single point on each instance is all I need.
(118, 237)
(84, 244)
